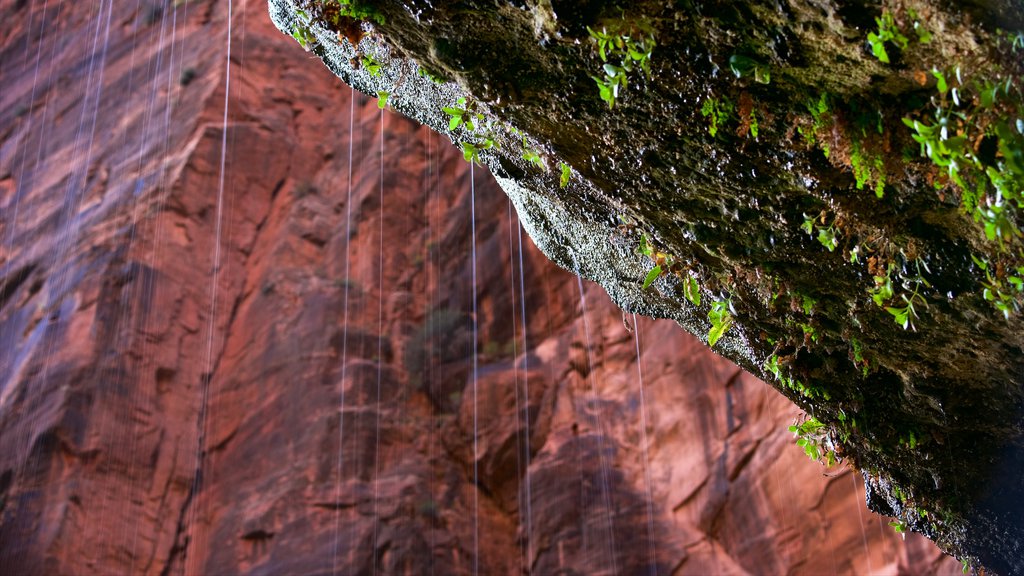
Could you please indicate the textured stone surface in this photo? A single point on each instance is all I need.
(288, 427)
(761, 192)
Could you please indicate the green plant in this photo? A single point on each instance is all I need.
(809, 332)
(663, 262)
(905, 315)
(471, 152)
(358, 11)
(753, 124)
(631, 46)
(807, 304)
(563, 180)
(532, 155)
(720, 317)
(718, 111)
(899, 527)
(887, 32)
(882, 290)
(819, 110)
(909, 440)
(460, 114)
(924, 36)
(812, 436)
(826, 234)
(1004, 290)
(423, 73)
(976, 138)
(746, 66)
(382, 99)
(371, 65)
(858, 356)
(774, 367)
(855, 254)
(867, 169)
(691, 290)
(481, 132)
(301, 32)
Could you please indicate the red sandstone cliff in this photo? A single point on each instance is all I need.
(274, 414)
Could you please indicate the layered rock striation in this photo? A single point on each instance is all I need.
(245, 344)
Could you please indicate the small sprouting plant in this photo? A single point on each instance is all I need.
(905, 315)
(663, 262)
(909, 439)
(471, 151)
(382, 99)
(653, 275)
(810, 333)
(720, 317)
(812, 436)
(819, 110)
(826, 234)
(1006, 290)
(357, 11)
(717, 111)
(563, 180)
(977, 140)
(630, 47)
(774, 367)
(691, 290)
(807, 304)
(746, 66)
(301, 32)
(882, 291)
(483, 136)
(855, 254)
(532, 155)
(858, 356)
(460, 114)
(423, 73)
(371, 65)
(868, 169)
(900, 527)
(887, 32)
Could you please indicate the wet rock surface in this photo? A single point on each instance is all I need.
(748, 158)
(316, 412)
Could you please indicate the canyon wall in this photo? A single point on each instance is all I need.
(241, 340)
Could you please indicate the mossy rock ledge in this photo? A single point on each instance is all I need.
(836, 185)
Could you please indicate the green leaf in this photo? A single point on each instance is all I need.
(720, 319)
(717, 332)
(808, 225)
(563, 181)
(942, 86)
(382, 99)
(691, 290)
(878, 48)
(827, 238)
(653, 275)
(470, 152)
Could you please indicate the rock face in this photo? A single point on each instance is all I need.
(832, 193)
(245, 344)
